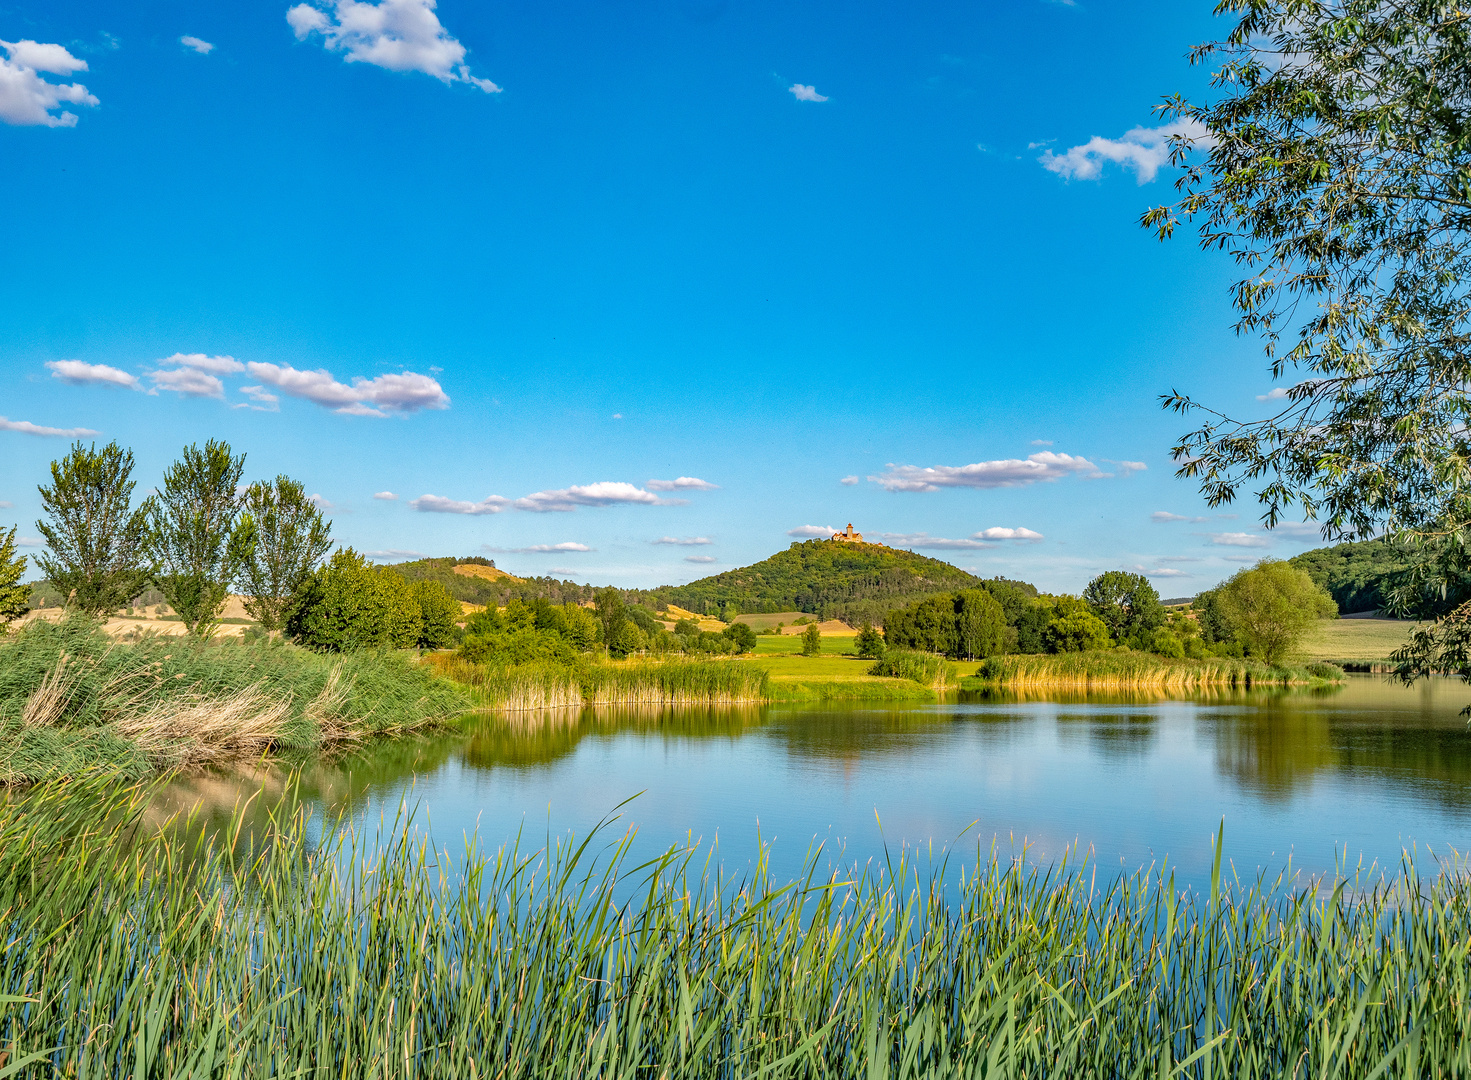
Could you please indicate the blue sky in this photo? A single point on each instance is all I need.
(563, 276)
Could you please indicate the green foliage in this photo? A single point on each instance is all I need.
(191, 534)
(1077, 630)
(283, 538)
(980, 625)
(1127, 604)
(534, 632)
(741, 636)
(870, 643)
(1336, 178)
(15, 598)
(830, 580)
(96, 544)
(351, 604)
(1356, 575)
(73, 700)
(608, 604)
(497, 593)
(921, 667)
(439, 614)
(811, 641)
(1271, 606)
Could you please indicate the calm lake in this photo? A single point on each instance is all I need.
(1358, 773)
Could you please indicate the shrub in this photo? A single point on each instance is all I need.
(923, 668)
(870, 643)
(811, 641)
(1080, 631)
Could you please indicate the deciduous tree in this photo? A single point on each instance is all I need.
(14, 597)
(281, 537)
(1271, 606)
(95, 541)
(1127, 604)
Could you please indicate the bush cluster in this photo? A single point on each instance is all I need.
(351, 604)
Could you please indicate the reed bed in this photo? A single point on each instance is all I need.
(73, 700)
(544, 686)
(927, 669)
(1125, 669)
(227, 955)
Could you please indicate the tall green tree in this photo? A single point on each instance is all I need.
(1338, 179)
(811, 641)
(1128, 605)
(196, 549)
(281, 538)
(1271, 606)
(980, 624)
(96, 542)
(351, 604)
(14, 597)
(608, 607)
(439, 614)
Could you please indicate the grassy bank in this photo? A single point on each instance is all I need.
(74, 700)
(1123, 669)
(331, 960)
(553, 686)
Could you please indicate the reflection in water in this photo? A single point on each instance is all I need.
(1364, 768)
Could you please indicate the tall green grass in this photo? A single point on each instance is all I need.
(268, 955)
(1125, 668)
(927, 669)
(527, 687)
(72, 700)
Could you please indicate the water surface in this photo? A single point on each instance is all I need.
(1322, 778)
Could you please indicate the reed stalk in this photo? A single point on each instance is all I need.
(1125, 669)
(539, 686)
(183, 954)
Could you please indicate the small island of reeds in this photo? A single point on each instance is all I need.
(1126, 669)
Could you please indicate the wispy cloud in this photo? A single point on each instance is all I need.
(805, 93)
(400, 35)
(401, 393)
(28, 100)
(29, 542)
(1125, 467)
(1010, 472)
(25, 427)
(811, 530)
(700, 559)
(683, 541)
(683, 483)
(565, 548)
(80, 373)
(385, 496)
(1145, 150)
(394, 553)
(1239, 539)
(1165, 572)
(438, 504)
(320, 502)
(1164, 517)
(1277, 393)
(188, 381)
(603, 493)
(1041, 442)
(199, 45)
(215, 365)
(986, 538)
(848, 481)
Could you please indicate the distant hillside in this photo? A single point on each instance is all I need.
(846, 581)
(478, 581)
(1355, 575)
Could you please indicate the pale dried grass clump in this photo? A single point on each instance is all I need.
(200, 731)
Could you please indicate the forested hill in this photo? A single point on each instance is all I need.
(1355, 575)
(476, 581)
(851, 581)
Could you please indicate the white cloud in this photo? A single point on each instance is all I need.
(1164, 517)
(984, 539)
(265, 401)
(4, 505)
(1240, 539)
(1010, 472)
(386, 496)
(848, 481)
(1127, 467)
(603, 493)
(189, 382)
(29, 541)
(1179, 558)
(394, 553)
(80, 373)
(199, 45)
(25, 427)
(700, 558)
(683, 483)
(568, 571)
(26, 99)
(215, 365)
(552, 549)
(1041, 442)
(1164, 572)
(683, 541)
(319, 502)
(438, 504)
(1142, 149)
(400, 35)
(812, 530)
(1277, 393)
(1008, 534)
(1300, 530)
(805, 93)
(379, 396)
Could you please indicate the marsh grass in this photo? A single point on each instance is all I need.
(235, 953)
(544, 686)
(74, 700)
(1123, 669)
(927, 669)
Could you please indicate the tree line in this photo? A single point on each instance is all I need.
(203, 534)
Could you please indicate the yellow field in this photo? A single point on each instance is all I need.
(1356, 639)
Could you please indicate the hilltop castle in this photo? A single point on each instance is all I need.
(850, 537)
